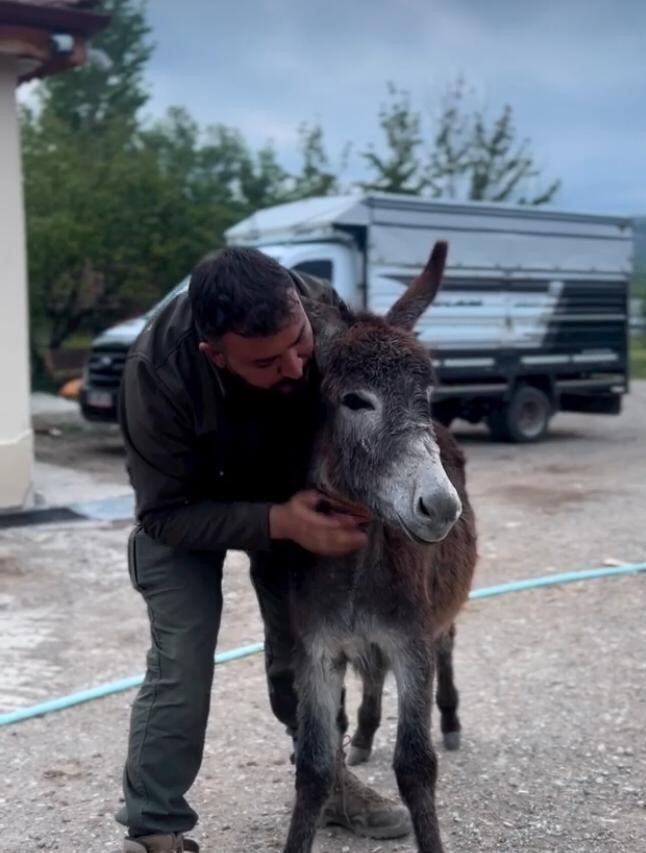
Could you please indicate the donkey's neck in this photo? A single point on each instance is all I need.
(387, 547)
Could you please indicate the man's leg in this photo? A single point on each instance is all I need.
(352, 804)
(270, 579)
(183, 593)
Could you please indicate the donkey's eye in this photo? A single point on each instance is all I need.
(356, 402)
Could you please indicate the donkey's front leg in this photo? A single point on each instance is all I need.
(415, 762)
(320, 685)
(373, 675)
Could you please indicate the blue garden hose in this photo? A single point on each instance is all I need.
(245, 651)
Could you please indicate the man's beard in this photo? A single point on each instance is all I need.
(289, 390)
(288, 387)
(293, 388)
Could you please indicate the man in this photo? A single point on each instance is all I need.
(219, 406)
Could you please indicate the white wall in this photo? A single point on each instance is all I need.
(15, 422)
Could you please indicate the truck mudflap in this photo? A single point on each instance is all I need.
(596, 403)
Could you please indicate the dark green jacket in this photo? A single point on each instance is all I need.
(199, 456)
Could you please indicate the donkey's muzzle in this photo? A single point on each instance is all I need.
(435, 514)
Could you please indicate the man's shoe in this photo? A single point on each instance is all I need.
(363, 811)
(160, 844)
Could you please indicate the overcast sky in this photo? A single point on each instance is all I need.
(574, 72)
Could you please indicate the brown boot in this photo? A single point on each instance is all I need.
(363, 811)
(160, 844)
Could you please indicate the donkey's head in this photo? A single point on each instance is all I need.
(377, 446)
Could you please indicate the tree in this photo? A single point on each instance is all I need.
(316, 177)
(89, 221)
(472, 158)
(264, 182)
(89, 97)
(82, 165)
(466, 157)
(222, 178)
(118, 210)
(201, 171)
(114, 222)
(399, 170)
(452, 147)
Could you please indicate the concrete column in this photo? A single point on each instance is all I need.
(16, 444)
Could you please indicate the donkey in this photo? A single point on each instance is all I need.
(378, 448)
(369, 714)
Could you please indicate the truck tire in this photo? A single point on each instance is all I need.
(524, 419)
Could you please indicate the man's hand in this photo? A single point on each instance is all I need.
(330, 535)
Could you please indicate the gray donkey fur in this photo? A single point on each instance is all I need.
(373, 679)
(397, 597)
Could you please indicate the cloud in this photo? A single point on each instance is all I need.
(573, 71)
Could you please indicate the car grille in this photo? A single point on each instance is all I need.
(105, 367)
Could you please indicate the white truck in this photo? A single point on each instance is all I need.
(532, 317)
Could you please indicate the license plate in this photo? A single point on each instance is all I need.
(100, 399)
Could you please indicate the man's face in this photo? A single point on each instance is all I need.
(274, 363)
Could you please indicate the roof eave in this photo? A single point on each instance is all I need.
(54, 19)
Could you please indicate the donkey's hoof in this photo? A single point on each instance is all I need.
(451, 740)
(358, 755)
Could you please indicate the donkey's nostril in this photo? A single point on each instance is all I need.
(421, 506)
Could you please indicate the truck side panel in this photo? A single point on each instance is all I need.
(567, 336)
(497, 238)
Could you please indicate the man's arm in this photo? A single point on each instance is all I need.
(161, 461)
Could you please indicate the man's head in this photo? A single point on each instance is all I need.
(250, 319)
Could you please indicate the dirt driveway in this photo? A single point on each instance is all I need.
(553, 682)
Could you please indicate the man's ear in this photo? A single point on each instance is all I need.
(213, 354)
(328, 323)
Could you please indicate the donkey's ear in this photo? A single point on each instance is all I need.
(421, 292)
(328, 322)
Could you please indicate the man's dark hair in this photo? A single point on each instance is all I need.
(240, 290)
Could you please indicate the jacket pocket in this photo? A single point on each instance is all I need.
(132, 558)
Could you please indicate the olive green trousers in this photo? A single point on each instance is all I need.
(183, 594)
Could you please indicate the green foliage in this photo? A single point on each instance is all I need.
(94, 216)
(399, 170)
(638, 357)
(638, 285)
(119, 209)
(86, 177)
(89, 97)
(316, 177)
(464, 156)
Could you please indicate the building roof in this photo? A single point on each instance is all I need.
(80, 3)
(31, 31)
(76, 17)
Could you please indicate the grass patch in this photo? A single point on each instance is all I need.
(638, 357)
(80, 340)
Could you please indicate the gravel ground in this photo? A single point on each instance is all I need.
(553, 682)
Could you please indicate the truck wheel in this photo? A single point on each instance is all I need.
(524, 419)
